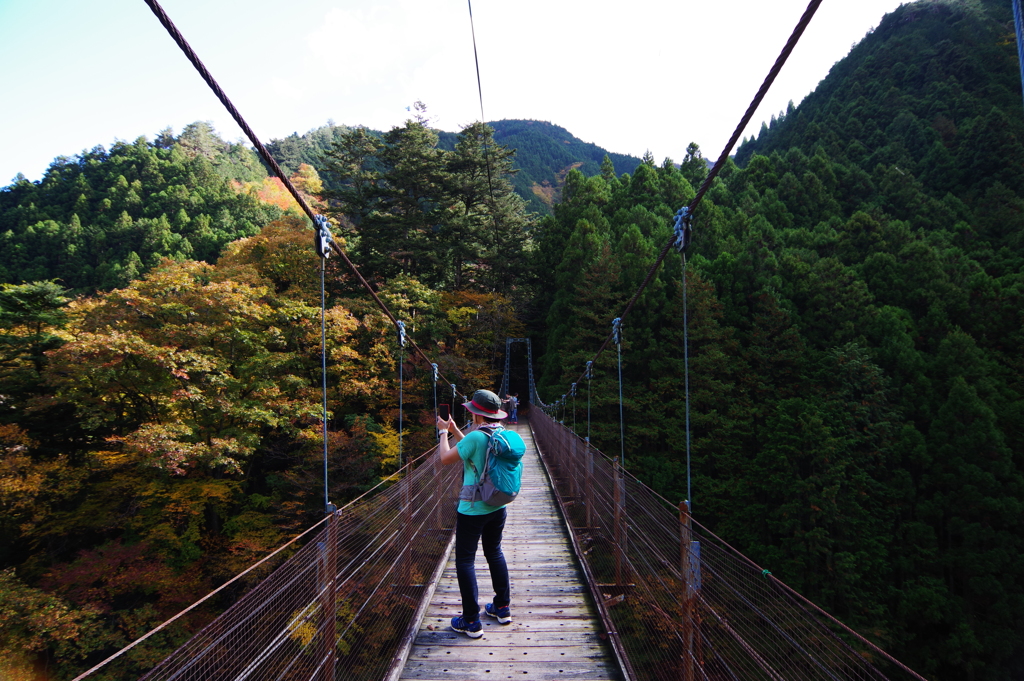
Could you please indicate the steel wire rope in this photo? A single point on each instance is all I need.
(861, 638)
(288, 580)
(379, 547)
(207, 647)
(717, 167)
(401, 384)
(707, 646)
(754, 655)
(480, 92)
(686, 377)
(617, 332)
(1018, 26)
(391, 568)
(197, 603)
(179, 39)
(166, 623)
(853, 654)
(374, 592)
(740, 558)
(744, 559)
(323, 372)
(768, 620)
(705, 533)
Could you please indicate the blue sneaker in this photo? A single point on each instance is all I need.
(470, 629)
(502, 614)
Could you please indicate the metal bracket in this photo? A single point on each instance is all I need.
(324, 238)
(682, 228)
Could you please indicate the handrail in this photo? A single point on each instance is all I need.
(677, 601)
(345, 605)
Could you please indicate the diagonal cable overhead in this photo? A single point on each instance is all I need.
(689, 209)
(265, 154)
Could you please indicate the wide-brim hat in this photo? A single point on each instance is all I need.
(485, 403)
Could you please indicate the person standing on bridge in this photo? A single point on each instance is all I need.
(476, 520)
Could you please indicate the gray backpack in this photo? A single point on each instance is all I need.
(503, 469)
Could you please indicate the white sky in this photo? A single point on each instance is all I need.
(628, 76)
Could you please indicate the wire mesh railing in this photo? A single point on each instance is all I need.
(346, 605)
(677, 601)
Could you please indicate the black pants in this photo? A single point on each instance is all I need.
(469, 530)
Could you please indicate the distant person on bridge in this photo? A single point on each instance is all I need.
(475, 519)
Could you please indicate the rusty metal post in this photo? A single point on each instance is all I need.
(618, 532)
(438, 492)
(329, 600)
(685, 534)
(571, 469)
(589, 488)
(689, 557)
(407, 531)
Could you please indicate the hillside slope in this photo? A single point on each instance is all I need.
(935, 91)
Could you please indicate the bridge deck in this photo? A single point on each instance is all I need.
(555, 629)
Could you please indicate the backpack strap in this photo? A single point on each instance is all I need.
(488, 433)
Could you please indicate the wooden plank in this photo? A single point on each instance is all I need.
(555, 632)
(522, 637)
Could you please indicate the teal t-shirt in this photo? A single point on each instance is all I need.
(473, 448)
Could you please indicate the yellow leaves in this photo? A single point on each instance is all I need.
(302, 627)
(173, 447)
(386, 447)
(24, 483)
(31, 619)
(460, 316)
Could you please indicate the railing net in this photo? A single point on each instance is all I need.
(703, 613)
(346, 603)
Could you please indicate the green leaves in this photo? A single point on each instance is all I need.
(448, 218)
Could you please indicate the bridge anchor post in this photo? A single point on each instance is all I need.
(689, 563)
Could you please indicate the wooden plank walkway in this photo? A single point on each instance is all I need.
(555, 628)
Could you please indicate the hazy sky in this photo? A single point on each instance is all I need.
(629, 76)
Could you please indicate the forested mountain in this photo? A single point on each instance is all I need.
(934, 91)
(104, 217)
(544, 153)
(856, 304)
(159, 437)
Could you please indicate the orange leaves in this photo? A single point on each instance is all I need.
(272, 190)
(32, 619)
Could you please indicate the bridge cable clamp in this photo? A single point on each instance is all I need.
(682, 228)
(434, 367)
(617, 330)
(324, 238)
(401, 332)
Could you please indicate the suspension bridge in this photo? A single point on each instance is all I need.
(609, 579)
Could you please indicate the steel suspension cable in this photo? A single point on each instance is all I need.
(323, 372)
(265, 154)
(197, 603)
(617, 331)
(588, 373)
(476, 60)
(1018, 26)
(794, 38)
(433, 367)
(401, 381)
(686, 381)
